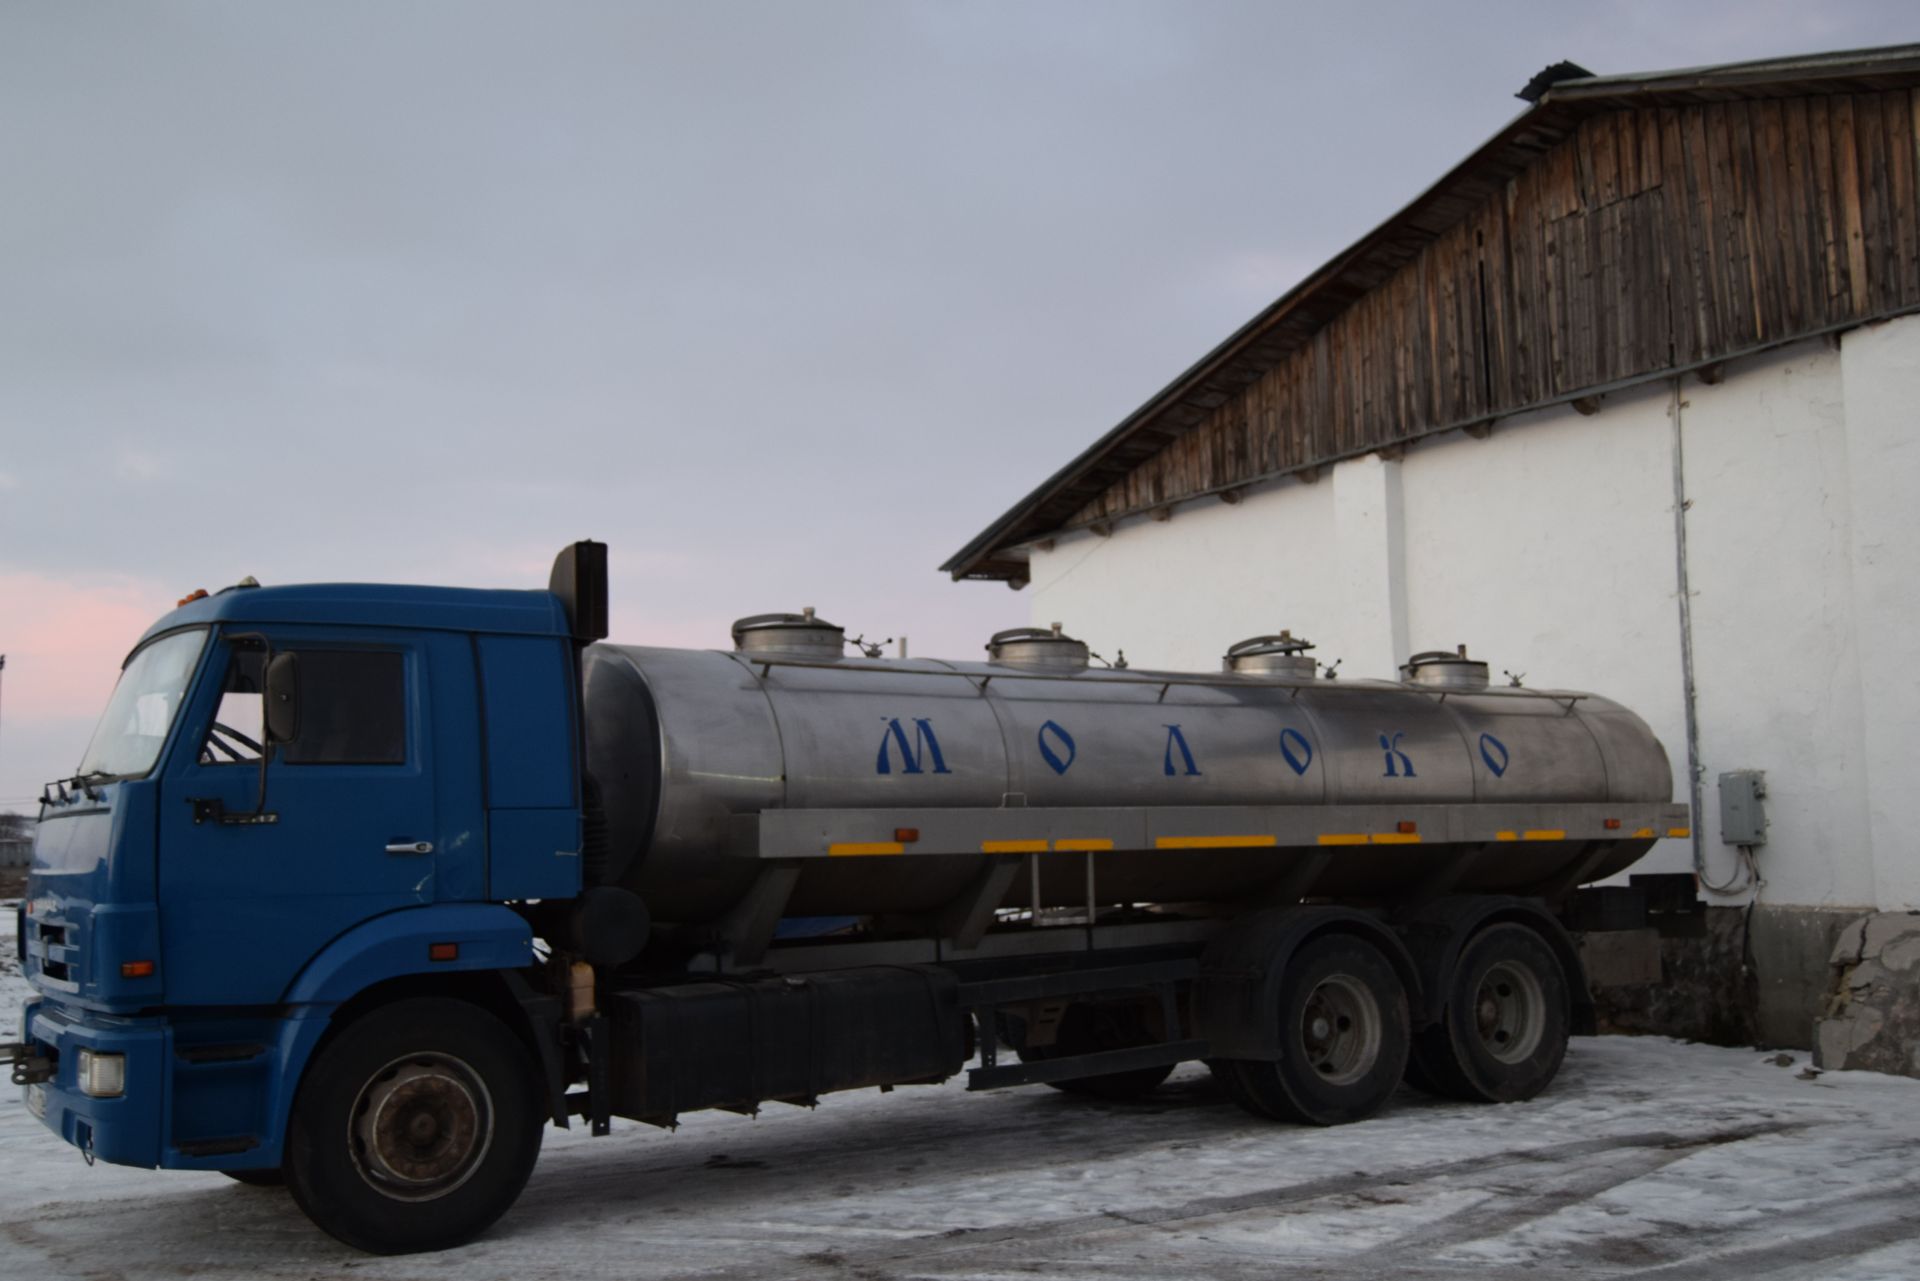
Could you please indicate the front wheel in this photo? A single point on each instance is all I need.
(415, 1129)
(1344, 1031)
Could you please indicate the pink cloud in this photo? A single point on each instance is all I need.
(64, 640)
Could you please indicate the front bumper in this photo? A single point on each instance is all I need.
(126, 1129)
(203, 1092)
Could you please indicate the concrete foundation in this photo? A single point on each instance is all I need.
(1686, 979)
(1791, 950)
(1872, 1019)
(1844, 984)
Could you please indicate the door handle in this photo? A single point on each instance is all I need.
(410, 847)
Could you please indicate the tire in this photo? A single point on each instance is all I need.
(1227, 1073)
(1503, 1034)
(271, 1178)
(1090, 1029)
(1343, 1037)
(415, 1128)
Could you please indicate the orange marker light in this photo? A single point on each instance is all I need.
(190, 597)
(443, 951)
(136, 969)
(1613, 825)
(904, 834)
(1407, 826)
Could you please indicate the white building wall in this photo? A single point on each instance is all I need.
(1880, 379)
(1550, 549)
(1176, 594)
(1775, 663)
(1370, 546)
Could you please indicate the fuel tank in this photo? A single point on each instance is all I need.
(688, 745)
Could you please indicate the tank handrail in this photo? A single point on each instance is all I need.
(1109, 676)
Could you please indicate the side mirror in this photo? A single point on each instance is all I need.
(281, 698)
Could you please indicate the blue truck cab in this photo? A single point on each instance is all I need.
(208, 895)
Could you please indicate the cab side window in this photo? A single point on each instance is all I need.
(353, 709)
(235, 736)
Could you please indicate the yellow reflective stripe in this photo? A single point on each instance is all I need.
(1506, 836)
(1395, 838)
(1679, 831)
(856, 848)
(1212, 842)
(1091, 843)
(1546, 834)
(1013, 847)
(1645, 831)
(1343, 838)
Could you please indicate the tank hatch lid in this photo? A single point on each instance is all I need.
(801, 633)
(1281, 654)
(1037, 647)
(1445, 669)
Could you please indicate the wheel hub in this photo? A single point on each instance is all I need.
(420, 1127)
(1340, 1029)
(1509, 1012)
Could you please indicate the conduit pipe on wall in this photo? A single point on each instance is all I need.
(1744, 878)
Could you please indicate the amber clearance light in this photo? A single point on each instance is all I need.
(136, 969)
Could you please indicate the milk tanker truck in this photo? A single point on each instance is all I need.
(359, 887)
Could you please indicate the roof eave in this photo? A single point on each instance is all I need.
(1562, 105)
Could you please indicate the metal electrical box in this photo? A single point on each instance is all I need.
(1743, 814)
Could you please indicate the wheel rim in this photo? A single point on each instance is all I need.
(1340, 1029)
(1509, 1012)
(420, 1127)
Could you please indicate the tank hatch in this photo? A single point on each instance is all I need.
(792, 635)
(1445, 669)
(1282, 654)
(1037, 647)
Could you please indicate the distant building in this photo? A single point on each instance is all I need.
(1626, 401)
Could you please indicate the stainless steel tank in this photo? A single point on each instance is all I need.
(687, 743)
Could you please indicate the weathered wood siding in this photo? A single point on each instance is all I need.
(1650, 240)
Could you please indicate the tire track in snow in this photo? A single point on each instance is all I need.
(1799, 1257)
(1509, 1209)
(969, 1250)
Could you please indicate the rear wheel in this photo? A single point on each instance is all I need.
(1503, 1035)
(415, 1129)
(1343, 1037)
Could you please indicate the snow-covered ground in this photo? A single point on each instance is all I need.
(1647, 1158)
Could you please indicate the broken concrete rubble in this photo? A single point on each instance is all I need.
(1872, 1019)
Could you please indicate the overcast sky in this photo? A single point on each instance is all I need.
(783, 301)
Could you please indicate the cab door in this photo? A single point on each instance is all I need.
(350, 828)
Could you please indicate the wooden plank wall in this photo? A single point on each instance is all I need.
(1651, 239)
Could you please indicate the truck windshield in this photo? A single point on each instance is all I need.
(127, 741)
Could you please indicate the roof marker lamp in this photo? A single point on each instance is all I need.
(101, 1076)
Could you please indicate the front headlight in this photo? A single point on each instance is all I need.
(101, 1076)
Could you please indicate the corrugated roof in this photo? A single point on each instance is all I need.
(1291, 320)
